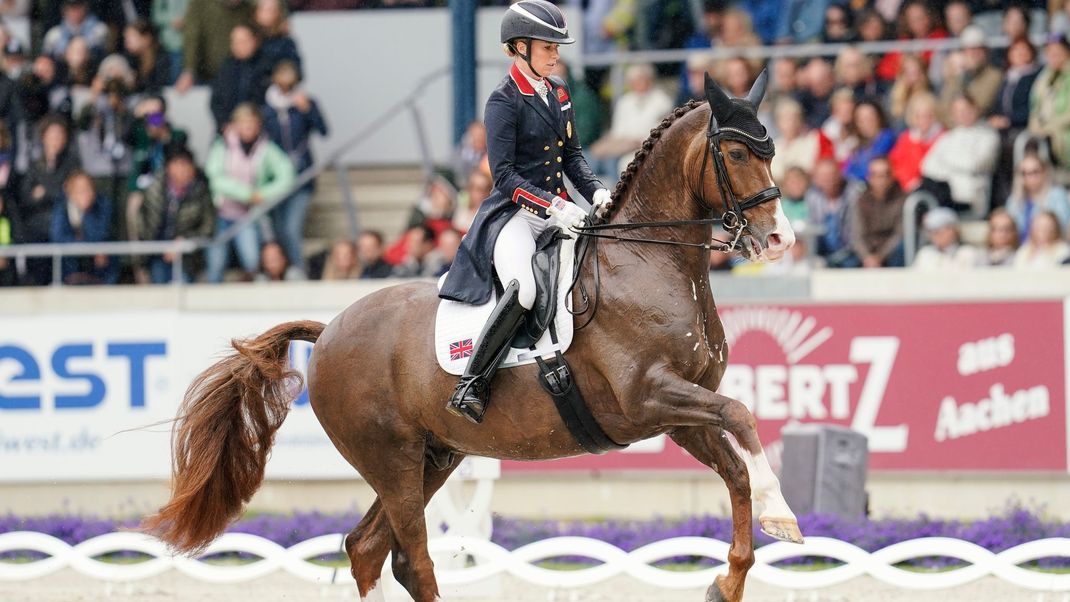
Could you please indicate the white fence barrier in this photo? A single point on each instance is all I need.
(493, 560)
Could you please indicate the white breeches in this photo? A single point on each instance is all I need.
(513, 251)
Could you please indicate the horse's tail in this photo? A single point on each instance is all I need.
(223, 434)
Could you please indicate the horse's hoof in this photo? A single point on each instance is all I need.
(784, 529)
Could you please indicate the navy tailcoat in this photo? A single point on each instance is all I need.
(530, 146)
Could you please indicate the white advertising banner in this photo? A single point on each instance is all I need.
(87, 396)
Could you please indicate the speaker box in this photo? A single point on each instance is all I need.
(824, 469)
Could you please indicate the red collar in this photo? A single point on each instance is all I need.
(523, 84)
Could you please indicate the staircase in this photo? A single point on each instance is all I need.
(384, 196)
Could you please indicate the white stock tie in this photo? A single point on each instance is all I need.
(543, 90)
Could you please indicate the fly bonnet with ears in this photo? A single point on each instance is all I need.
(737, 118)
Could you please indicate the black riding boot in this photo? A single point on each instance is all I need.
(473, 392)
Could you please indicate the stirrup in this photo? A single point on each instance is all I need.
(472, 394)
(473, 408)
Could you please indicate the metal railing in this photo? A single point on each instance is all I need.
(617, 60)
(185, 247)
(919, 198)
(408, 104)
(608, 59)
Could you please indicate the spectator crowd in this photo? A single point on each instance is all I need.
(88, 150)
(980, 126)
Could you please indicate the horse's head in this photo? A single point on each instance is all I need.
(736, 180)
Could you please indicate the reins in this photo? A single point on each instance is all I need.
(732, 220)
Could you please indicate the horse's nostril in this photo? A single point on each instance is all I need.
(774, 241)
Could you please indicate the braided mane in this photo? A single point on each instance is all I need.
(630, 172)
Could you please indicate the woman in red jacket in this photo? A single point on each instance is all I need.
(917, 21)
(914, 142)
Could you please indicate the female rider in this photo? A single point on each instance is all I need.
(531, 144)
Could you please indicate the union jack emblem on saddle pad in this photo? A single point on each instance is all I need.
(460, 349)
(457, 326)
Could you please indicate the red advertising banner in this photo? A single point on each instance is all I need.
(934, 386)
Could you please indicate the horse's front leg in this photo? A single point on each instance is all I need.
(677, 401)
(710, 445)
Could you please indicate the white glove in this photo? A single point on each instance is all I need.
(603, 201)
(566, 215)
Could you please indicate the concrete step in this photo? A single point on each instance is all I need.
(384, 197)
(333, 222)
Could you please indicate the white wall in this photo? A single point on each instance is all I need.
(888, 285)
(360, 63)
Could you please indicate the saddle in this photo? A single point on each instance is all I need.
(457, 324)
(546, 267)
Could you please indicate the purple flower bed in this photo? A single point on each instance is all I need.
(1014, 526)
(291, 529)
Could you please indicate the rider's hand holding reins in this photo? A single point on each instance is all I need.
(566, 215)
(602, 202)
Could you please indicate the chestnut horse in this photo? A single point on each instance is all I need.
(648, 363)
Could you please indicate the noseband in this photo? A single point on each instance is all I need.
(732, 220)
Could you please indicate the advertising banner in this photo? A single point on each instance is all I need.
(90, 396)
(934, 386)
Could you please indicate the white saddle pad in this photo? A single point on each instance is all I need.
(458, 325)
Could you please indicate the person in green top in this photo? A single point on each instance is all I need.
(244, 168)
(7, 266)
(169, 17)
(151, 135)
(1049, 100)
(206, 38)
(587, 105)
(793, 192)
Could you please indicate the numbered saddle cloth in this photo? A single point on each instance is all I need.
(458, 325)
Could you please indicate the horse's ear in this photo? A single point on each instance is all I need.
(720, 104)
(757, 91)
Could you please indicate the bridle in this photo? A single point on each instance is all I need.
(732, 220)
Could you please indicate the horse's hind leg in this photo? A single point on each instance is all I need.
(397, 475)
(710, 446)
(368, 544)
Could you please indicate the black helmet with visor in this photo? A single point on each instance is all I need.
(529, 20)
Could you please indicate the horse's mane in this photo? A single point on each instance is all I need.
(655, 135)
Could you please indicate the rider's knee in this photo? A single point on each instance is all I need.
(526, 294)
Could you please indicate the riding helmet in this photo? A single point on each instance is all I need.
(536, 19)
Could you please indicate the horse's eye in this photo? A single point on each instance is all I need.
(737, 155)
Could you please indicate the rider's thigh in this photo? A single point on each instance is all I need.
(512, 257)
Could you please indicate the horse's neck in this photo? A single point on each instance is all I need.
(661, 192)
